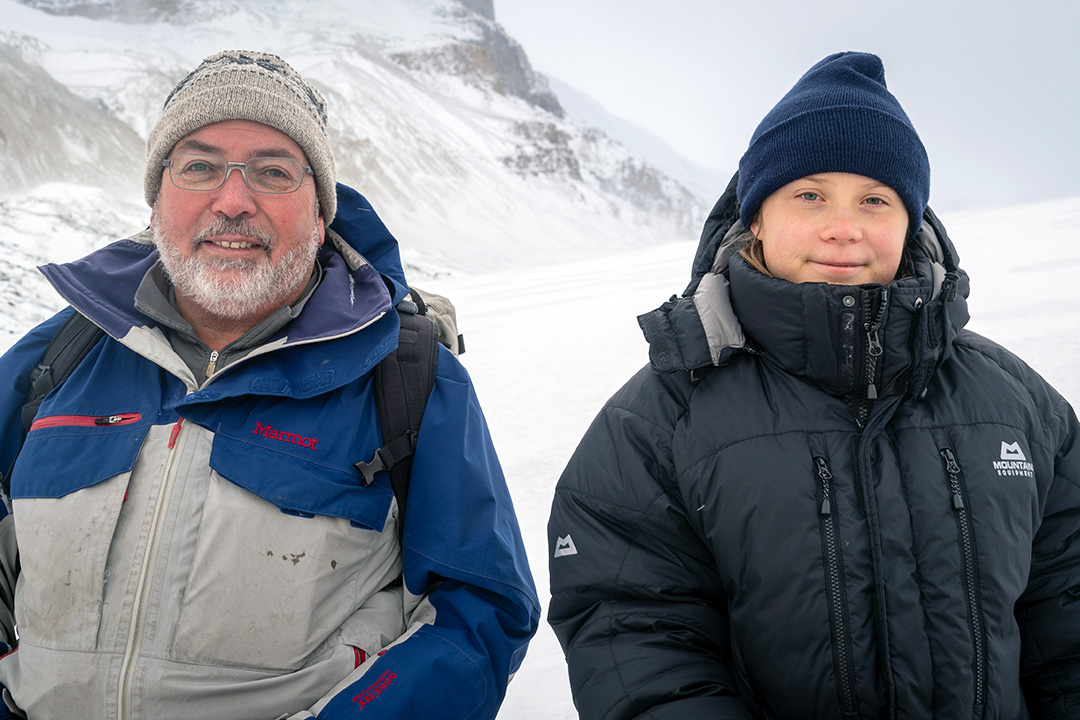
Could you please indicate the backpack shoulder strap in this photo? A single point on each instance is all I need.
(403, 382)
(66, 350)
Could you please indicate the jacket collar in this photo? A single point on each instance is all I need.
(352, 304)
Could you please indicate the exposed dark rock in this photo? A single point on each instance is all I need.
(546, 151)
(484, 8)
(494, 61)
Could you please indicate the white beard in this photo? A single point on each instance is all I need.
(260, 286)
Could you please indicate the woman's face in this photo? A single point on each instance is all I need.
(835, 228)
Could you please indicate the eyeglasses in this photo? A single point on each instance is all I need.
(273, 175)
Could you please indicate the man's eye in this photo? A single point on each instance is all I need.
(275, 171)
(198, 167)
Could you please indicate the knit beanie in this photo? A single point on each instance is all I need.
(244, 85)
(839, 117)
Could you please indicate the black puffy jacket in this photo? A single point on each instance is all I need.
(822, 501)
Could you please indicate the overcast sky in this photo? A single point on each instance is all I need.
(992, 87)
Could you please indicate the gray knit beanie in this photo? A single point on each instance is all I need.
(244, 85)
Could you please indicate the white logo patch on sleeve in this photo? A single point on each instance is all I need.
(565, 546)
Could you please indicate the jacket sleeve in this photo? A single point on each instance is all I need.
(1049, 611)
(471, 603)
(635, 598)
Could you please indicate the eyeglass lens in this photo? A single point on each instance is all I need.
(262, 174)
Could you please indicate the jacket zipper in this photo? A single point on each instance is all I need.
(845, 672)
(85, 420)
(869, 392)
(212, 366)
(142, 590)
(967, 543)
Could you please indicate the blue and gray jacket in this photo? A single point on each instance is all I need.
(205, 548)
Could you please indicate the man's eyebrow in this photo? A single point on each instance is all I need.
(199, 146)
(192, 144)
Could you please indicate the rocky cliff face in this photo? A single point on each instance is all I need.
(490, 60)
(483, 8)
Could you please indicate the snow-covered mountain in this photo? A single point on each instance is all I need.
(436, 115)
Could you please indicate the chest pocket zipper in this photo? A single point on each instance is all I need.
(969, 559)
(85, 421)
(834, 568)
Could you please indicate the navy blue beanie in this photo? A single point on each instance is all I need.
(839, 117)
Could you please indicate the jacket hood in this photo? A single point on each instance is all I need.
(705, 326)
(356, 293)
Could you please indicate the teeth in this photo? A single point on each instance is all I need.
(235, 245)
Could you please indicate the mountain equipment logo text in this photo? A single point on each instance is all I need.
(1013, 462)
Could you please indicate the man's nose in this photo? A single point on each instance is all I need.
(234, 198)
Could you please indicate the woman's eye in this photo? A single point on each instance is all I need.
(876, 201)
(810, 196)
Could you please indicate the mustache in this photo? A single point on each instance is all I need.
(232, 226)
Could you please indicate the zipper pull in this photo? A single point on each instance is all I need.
(109, 420)
(213, 363)
(174, 433)
(826, 476)
(874, 339)
(951, 466)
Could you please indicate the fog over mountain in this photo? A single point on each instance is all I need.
(435, 114)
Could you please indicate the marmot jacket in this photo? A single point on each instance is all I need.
(192, 547)
(822, 501)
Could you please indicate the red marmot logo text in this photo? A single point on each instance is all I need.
(269, 432)
(375, 690)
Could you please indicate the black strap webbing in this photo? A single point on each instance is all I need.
(403, 382)
(66, 350)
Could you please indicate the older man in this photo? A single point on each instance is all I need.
(188, 535)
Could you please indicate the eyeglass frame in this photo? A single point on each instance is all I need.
(243, 168)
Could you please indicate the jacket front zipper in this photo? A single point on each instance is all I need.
(845, 672)
(142, 591)
(868, 392)
(970, 569)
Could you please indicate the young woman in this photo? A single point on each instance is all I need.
(825, 499)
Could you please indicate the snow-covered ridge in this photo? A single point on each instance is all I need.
(435, 115)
